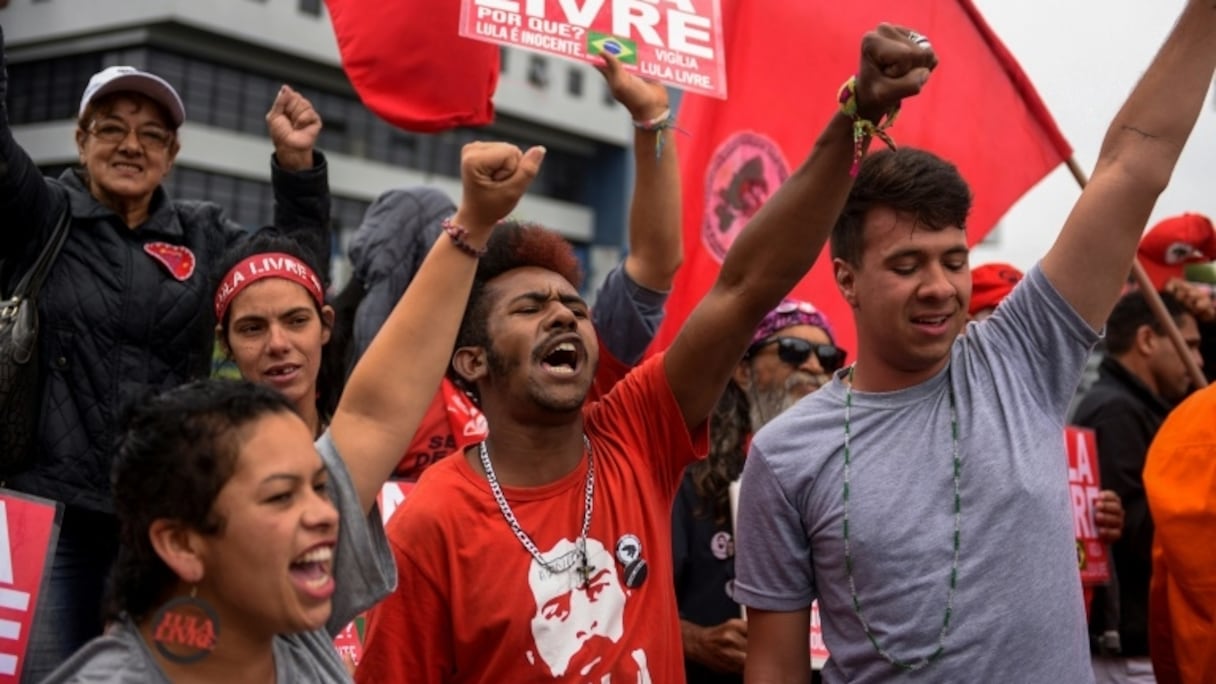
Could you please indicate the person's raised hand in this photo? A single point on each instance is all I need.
(1195, 297)
(493, 177)
(895, 64)
(645, 100)
(294, 126)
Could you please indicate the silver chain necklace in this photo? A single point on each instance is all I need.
(583, 569)
(956, 467)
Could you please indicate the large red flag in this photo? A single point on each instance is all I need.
(785, 64)
(410, 67)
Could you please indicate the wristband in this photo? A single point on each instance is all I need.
(864, 128)
(460, 238)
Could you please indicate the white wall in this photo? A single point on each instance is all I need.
(1084, 57)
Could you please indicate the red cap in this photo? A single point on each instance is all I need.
(990, 284)
(1169, 246)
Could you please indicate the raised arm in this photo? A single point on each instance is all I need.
(298, 173)
(784, 238)
(27, 205)
(656, 247)
(1090, 260)
(393, 384)
(629, 305)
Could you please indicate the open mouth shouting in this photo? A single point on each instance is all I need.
(563, 358)
(312, 572)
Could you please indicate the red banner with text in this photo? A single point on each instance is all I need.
(677, 42)
(1083, 488)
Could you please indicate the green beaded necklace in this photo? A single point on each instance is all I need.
(958, 517)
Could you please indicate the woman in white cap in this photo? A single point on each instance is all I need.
(126, 307)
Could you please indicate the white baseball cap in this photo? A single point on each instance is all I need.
(129, 79)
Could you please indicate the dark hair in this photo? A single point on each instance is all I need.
(338, 357)
(1131, 312)
(177, 451)
(906, 180)
(729, 426)
(513, 245)
(306, 249)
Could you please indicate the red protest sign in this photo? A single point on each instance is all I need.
(819, 650)
(29, 530)
(1083, 488)
(677, 42)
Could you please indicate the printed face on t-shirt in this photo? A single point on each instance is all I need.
(569, 617)
(543, 348)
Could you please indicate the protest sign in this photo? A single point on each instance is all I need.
(1083, 489)
(29, 530)
(676, 42)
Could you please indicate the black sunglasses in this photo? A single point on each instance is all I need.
(795, 351)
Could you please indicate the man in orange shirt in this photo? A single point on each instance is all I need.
(1180, 481)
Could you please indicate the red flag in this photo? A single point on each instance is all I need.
(410, 67)
(785, 63)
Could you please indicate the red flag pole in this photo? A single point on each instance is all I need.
(1154, 300)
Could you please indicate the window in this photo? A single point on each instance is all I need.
(574, 82)
(310, 7)
(538, 71)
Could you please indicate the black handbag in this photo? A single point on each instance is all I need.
(20, 386)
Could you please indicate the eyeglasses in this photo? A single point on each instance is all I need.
(795, 351)
(150, 137)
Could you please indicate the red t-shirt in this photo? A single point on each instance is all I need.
(453, 423)
(473, 606)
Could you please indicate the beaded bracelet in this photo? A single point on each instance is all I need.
(864, 128)
(659, 124)
(460, 238)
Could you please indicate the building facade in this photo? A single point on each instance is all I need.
(227, 59)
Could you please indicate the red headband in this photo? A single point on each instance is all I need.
(269, 265)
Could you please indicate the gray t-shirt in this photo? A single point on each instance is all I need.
(1018, 613)
(364, 573)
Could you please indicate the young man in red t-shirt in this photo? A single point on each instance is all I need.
(530, 558)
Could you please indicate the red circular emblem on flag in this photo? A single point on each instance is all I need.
(745, 170)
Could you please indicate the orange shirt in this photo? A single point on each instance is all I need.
(473, 606)
(1180, 481)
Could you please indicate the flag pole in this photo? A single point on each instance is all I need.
(1154, 300)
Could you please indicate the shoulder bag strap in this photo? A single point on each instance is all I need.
(31, 282)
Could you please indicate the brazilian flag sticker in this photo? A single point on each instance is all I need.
(624, 49)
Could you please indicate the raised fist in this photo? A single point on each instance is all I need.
(493, 176)
(294, 126)
(895, 63)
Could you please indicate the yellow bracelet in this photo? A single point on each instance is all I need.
(864, 128)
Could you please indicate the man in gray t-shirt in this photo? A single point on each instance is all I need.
(922, 496)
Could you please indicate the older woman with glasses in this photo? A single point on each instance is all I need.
(126, 307)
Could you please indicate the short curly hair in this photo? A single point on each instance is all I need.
(177, 451)
(513, 245)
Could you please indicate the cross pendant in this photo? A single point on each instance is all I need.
(584, 573)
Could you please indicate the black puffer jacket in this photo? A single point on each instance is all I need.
(115, 323)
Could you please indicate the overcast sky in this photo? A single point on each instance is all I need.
(1084, 57)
